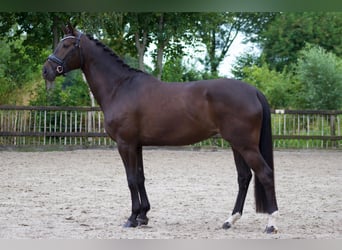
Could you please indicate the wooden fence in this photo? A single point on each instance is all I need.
(306, 129)
(83, 126)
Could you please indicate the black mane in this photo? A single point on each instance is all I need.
(112, 53)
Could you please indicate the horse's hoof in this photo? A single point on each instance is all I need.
(226, 225)
(271, 230)
(142, 221)
(129, 224)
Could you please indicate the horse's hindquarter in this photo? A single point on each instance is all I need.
(236, 110)
(233, 99)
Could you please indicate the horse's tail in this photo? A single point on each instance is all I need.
(266, 150)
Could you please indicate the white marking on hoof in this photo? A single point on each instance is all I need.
(233, 218)
(272, 219)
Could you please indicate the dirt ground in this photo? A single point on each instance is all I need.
(83, 194)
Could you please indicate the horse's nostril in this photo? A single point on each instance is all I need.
(44, 71)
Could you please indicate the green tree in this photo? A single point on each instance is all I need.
(110, 27)
(244, 61)
(170, 33)
(217, 31)
(173, 70)
(16, 73)
(287, 34)
(320, 75)
(6, 86)
(26, 39)
(277, 87)
(68, 91)
(140, 26)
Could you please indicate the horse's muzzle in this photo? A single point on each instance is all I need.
(49, 75)
(48, 72)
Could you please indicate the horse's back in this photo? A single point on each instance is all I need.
(230, 95)
(203, 100)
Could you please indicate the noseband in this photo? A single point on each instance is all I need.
(61, 62)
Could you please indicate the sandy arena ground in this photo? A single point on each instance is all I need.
(83, 194)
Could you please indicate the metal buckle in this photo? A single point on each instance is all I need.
(59, 69)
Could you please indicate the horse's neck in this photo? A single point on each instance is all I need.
(103, 76)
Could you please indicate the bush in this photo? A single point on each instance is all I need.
(276, 86)
(68, 91)
(320, 75)
(173, 70)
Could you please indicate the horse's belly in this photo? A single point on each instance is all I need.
(178, 136)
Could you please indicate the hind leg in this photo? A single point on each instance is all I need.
(263, 174)
(244, 178)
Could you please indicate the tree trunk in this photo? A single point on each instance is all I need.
(55, 32)
(212, 54)
(141, 47)
(160, 52)
(160, 49)
(90, 113)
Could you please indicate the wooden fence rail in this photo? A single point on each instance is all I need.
(83, 126)
(307, 128)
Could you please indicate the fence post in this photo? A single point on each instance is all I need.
(333, 129)
(89, 125)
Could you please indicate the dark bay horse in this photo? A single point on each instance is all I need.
(140, 110)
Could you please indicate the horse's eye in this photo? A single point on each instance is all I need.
(65, 45)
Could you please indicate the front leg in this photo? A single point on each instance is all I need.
(129, 157)
(145, 204)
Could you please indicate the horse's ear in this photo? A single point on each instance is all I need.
(68, 29)
(65, 30)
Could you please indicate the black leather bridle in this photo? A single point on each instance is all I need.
(61, 62)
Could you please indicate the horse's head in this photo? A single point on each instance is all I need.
(66, 57)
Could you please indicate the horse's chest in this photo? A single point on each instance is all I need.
(120, 126)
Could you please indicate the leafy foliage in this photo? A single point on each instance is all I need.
(26, 42)
(320, 74)
(313, 81)
(277, 87)
(16, 72)
(68, 91)
(173, 71)
(288, 33)
(176, 71)
(244, 61)
(217, 31)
